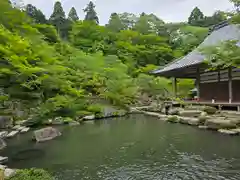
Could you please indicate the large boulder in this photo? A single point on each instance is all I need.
(189, 121)
(210, 110)
(46, 134)
(220, 123)
(190, 113)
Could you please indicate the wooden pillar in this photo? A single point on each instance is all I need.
(230, 85)
(175, 86)
(198, 81)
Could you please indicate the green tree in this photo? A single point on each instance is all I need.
(91, 14)
(236, 4)
(58, 19)
(196, 17)
(142, 25)
(115, 24)
(35, 14)
(72, 16)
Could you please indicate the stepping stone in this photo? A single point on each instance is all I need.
(92, 117)
(3, 134)
(228, 132)
(3, 159)
(21, 128)
(236, 130)
(16, 127)
(11, 134)
(74, 123)
(202, 127)
(26, 129)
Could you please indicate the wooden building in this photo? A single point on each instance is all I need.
(222, 86)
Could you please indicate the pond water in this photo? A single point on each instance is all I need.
(137, 147)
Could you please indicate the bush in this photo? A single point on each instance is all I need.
(31, 174)
(173, 119)
(210, 110)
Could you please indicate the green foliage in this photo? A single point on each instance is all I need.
(173, 119)
(49, 32)
(224, 55)
(196, 17)
(72, 16)
(115, 24)
(31, 174)
(91, 14)
(184, 87)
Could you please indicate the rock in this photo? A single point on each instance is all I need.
(202, 127)
(46, 134)
(2, 144)
(58, 121)
(74, 123)
(12, 133)
(6, 122)
(9, 173)
(91, 117)
(2, 167)
(3, 134)
(24, 130)
(189, 121)
(16, 127)
(3, 159)
(190, 113)
(21, 128)
(228, 132)
(173, 112)
(216, 124)
(237, 130)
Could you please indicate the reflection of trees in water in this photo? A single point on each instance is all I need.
(28, 154)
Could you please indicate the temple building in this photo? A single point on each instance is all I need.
(220, 86)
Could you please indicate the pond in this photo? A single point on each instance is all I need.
(136, 147)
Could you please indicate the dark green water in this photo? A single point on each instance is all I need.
(132, 148)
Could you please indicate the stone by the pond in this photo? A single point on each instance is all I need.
(21, 128)
(2, 144)
(9, 172)
(58, 121)
(237, 130)
(3, 167)
(46, 134)
(16, 127)
(74, 123)
(228, 132)
(91, 117)
(24, 130)
(3, 159)
(12, 133)
(202, 127)
(3, 134)
(220, 123)
(190, 113)
(189, 121)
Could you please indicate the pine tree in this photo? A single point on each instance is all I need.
(91, 14)
(72, 16)
(196, 17)
(58, 19)
(143, 25)
(35, 14)
(115, 24)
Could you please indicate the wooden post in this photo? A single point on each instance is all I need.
(230, 85)
(198, 80)
(175, 87)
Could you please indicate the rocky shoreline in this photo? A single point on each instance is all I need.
(207, 118)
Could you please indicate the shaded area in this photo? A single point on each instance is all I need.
(133, 148)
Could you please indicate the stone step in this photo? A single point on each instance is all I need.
(11, 134)
(24, 130)
(3, 159)
(3, 134)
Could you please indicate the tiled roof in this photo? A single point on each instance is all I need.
(229, 32)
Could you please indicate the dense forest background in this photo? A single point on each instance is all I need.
(71, 66)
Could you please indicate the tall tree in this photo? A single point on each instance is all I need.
(72, 16)
(35, 14)
(236, 4)
(142, 25)
(91, 14)
(196, 17)
(58, 19)
(115, 24)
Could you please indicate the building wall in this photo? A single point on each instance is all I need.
(219, 91)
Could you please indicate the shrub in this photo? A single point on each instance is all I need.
(31, 174)
(173, 119)
(210, 110)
